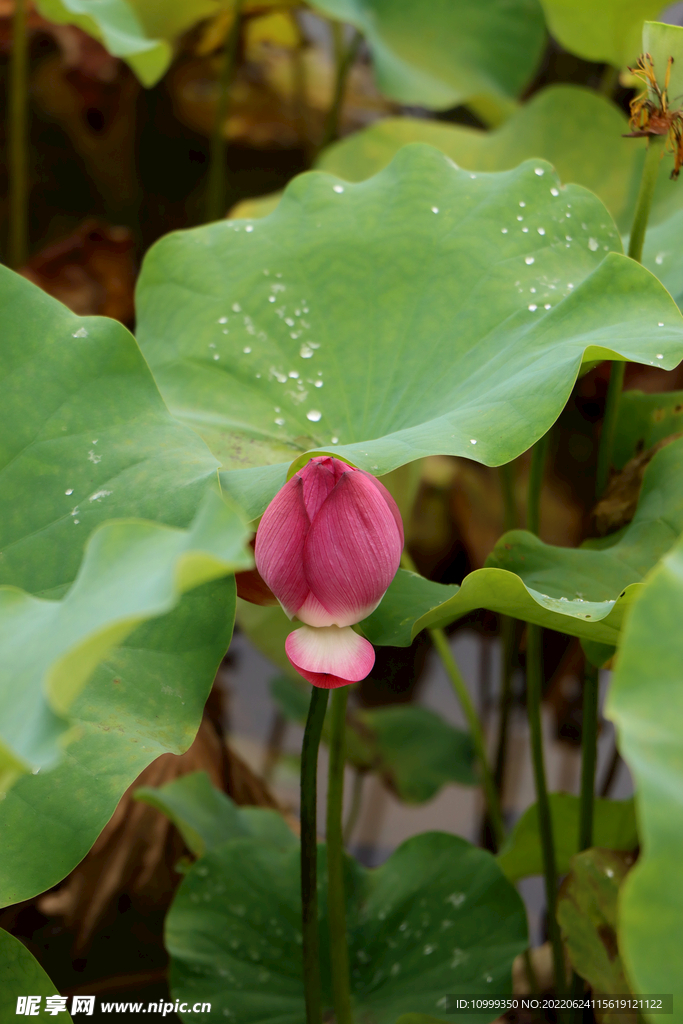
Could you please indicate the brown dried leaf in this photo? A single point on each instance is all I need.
(620, 501)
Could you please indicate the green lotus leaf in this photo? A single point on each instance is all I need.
(662, 252)
(443, 53)
(664, 44)
(646, 704)
(614, 827)
(587, 915)
(643, 421)
(437, 918)
(132, 571)
(581, 591)
(22, 975)
(610, 31)
(297, 333)
(207, 818)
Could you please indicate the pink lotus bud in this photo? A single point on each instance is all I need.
(328, 546)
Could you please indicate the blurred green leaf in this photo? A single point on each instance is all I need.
(643, 420)
(438, 917)
(444, 349)
(581, 591)
(610, 31)
(206, 818)
(646, 704)
(587, 914)
(614, 827)
(445, 52)
(22, 975)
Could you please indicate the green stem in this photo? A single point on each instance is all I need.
(534, 693)
(356, 802)
(653, 155)
(336, 903)
(216, 184)
(345, 57)
(506, 475)
(508, 628)
(533, 503)
(490, 795)
(18, 140)
(309, 854)
(589, 744)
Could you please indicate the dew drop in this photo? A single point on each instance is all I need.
(272, 298)
(246, 350)
(539, 171)
(554, 192)
(593, 244)
(503, 231)
(70, 491)
(473, 440)
(568, 237)
(547, 306)
(338, 188)
(435, 209)
(522, 203)
(305, 351)
(528, 260)
(525, 230)
(541, 231)
(428, 950)
(223, 320)
(660, 324)
(76, 522)
(532, 308)
(334, 440)
(216, 356)
(317, 384)
(249, 227)
(314, 415)
(80, 333)
(659, 258)
(236, 308)
(660, 355)
(520, 217)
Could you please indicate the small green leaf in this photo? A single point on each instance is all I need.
(22, 975)
(418, 753)
(607, 32)
(646, 704)
(587, 914)
(643, 420)
(207, 818)
(614, 827)
(437, 918)
(459, 51)
(444, 349)
(581, 591)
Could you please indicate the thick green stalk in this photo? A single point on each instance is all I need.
(589, 754)
(534, 686)
(18, 140)
(653, 155)
(534, 693)
(345, 57)
(336, 903)
(215, 202)
(309, 854)
(490, 795)
(356, 801)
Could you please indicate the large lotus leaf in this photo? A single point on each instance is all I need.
(442, 53)
(408, 315)
(663, 254)
(438, 917)
(146, 699)
(116, 24)
(614, 827)
(581, 591)
(22, 975)
(575, 129)
(84, 437)
(643, 420)
(132, 571)
(610, 31)
(646, 704)
(587, 914)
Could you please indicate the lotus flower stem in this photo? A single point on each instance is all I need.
(356, 801)
(18, 143)
(336, 904)
(534, 692)
(653, 155)
(309, 854)
(215, 188)
(589, 753)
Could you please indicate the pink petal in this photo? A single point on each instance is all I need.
(329, 656)
(319, 478)
(353, 549)
(313, 613)
(279, 546)
(393, 507)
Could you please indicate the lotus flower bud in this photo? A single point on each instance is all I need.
(328, 546)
